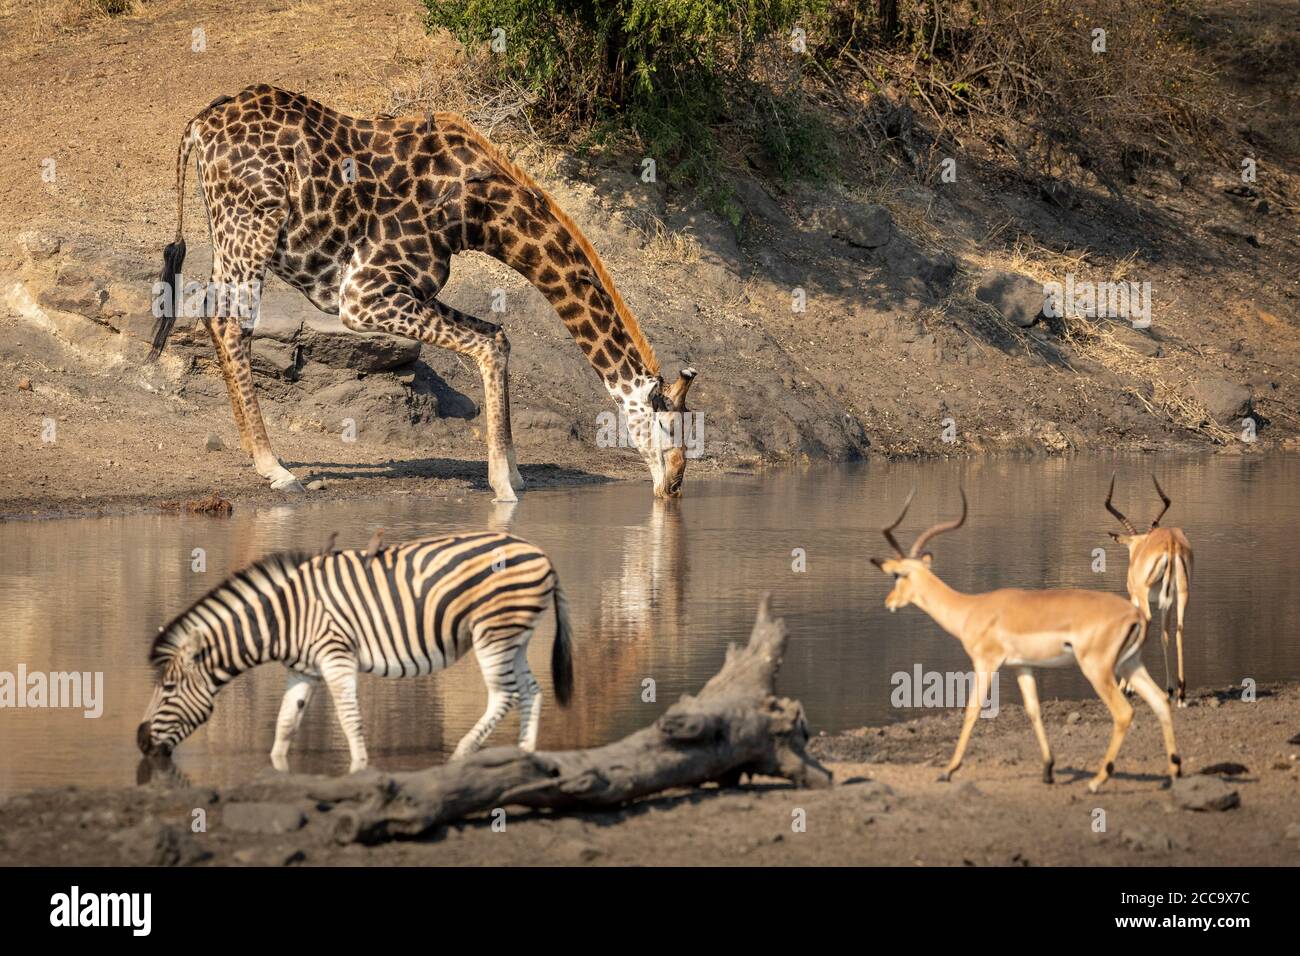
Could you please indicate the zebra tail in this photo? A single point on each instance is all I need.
(562, 649)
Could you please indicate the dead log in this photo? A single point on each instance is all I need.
(735, 725)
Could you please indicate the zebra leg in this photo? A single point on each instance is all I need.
(530, 701)
(497, 662)
(296, 697)
(341, 679)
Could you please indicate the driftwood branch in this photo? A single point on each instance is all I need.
(735, 725)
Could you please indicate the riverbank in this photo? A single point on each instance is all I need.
(886, 809)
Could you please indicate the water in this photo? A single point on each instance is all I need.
(657, 591)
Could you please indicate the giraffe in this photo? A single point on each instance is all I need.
(362, 216)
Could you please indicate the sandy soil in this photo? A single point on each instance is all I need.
(886, 807)
(875, 366)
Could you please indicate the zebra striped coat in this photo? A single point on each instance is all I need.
(404, 610)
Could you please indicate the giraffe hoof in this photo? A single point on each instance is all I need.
(507, 497)
(1095, 785)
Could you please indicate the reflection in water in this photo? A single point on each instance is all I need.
(658, 589)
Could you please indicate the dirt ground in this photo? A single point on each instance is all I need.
(892, 345)
(886, 807)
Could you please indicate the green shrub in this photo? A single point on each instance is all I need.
(663, 71)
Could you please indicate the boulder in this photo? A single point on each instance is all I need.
(1203, 793)
(1226, 402)
(1017, 298)
(358, 351)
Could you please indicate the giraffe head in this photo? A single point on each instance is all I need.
(659, 424)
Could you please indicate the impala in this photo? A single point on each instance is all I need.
(1101, 632)
(1160, 554)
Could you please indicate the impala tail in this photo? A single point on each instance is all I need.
(562, 649)
(1166, 582)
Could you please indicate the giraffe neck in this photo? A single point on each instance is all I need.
(576, 284)
(511, 218)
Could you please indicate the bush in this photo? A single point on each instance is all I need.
(660, 70)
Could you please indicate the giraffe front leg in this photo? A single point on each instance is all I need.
(493, 360)
(373, 298)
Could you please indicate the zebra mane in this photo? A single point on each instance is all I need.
(172, 639)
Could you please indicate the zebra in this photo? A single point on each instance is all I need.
(399, 611)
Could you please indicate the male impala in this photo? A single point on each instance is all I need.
(1102, 632)
(1161, 554)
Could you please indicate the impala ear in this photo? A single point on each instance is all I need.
(676, 392)
(927, 559)
(877, 562)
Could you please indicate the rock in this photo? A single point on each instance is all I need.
(1145, 839)
(1226, 401)
(1202, 793)
(263, 817)
(1294, 740)
(1293, 831)
(24, 384)
(905, 261)
(358, 351)
(867, 227)
(214, 442)
(269, 356)
(580, 851)
(176, 846)
(268, 856)
(1224, 769)
(1018, 298)
(39, 245)
(1073, 717)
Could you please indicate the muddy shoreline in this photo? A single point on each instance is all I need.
(886, 807)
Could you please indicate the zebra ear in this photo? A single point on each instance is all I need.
(189, 648)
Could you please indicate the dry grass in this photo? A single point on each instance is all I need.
(663, 246)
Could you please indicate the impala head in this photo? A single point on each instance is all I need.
(904, 567)
(658, 423)
(1132, 536)
(184, 695)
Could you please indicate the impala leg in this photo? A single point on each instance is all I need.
(1029, 691)
(1164, 646)
(973, 706)
(1158, 702)
(1103, 682)
(296, 697)
(341, 679)
(1180, 579)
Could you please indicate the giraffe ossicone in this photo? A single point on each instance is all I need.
(363, 216)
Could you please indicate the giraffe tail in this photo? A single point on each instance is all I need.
(167, 295)
(562, 649)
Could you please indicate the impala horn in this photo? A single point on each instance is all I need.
(939, 529)
(1163, 497)
(1128, 525)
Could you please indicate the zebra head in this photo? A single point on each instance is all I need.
(183, 698)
